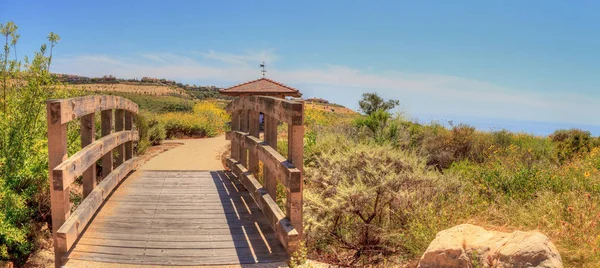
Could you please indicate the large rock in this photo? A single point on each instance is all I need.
(468, 245)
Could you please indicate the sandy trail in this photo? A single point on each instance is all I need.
(194, 154)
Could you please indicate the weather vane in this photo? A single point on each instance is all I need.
(264, 68)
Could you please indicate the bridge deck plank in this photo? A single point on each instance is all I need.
(179, 218)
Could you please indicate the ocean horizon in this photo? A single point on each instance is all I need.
(539, 128)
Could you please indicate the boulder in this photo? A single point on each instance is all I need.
(468, 245)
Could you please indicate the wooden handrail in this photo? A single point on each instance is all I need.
(247, 150)
(62, 171)
(65, 110)
(283, 170)
(290, 112)
(67, 172)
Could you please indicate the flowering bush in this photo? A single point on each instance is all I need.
(208, 119)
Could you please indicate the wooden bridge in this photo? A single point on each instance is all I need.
(174, 217)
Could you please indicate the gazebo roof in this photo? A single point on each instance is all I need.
(263, 86)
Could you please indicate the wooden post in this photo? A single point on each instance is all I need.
(243, 128)
(88, 135)
(107, 159)
(119, 125)
(271, 140)
(129, 144)
(57, 153)
(235, 126)
(253, 130)
(296, 156)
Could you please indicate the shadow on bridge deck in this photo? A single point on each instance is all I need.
(179, 218)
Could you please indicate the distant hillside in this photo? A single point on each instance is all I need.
(143, 86)
(142, 89)
(328, 107)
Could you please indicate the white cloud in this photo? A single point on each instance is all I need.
(421, 93)
(249, 58)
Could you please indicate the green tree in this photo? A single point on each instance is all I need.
(372, 102)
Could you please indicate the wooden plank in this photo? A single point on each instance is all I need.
(231, 218)
(76, 223)
(73, 108)
(57, 153)
(88, 136)
(187, 225)
(142, 216)
(119, 126)
(290, 112)
(66, 173)
(107, 127)
(191, 237)
(256, 242)
(177, 252)
(177, 261)
(223, 230)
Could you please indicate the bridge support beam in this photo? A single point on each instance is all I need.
(107, 160)
(119, 126)
(253, 130)
(128, 126)
(296, 156)
(270, 138)
(235, 126)
(243, 154)
(60, 205)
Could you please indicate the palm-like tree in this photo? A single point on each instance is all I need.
(53, 38)
(8, 29)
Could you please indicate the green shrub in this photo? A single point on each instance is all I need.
(571, 143)
(150, 129)
(369, 200)
(157, 134)
(443, 146)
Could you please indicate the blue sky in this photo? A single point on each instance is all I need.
(523, 65)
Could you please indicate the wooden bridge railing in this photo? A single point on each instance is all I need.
(63, 172)
(247, 150)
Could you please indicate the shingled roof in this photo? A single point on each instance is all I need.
(261, 87)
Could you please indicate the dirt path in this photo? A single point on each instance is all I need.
(194, 154)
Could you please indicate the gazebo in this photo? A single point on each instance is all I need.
(261, 87)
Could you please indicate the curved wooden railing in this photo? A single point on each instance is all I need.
(247, 150)
(63, 172)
